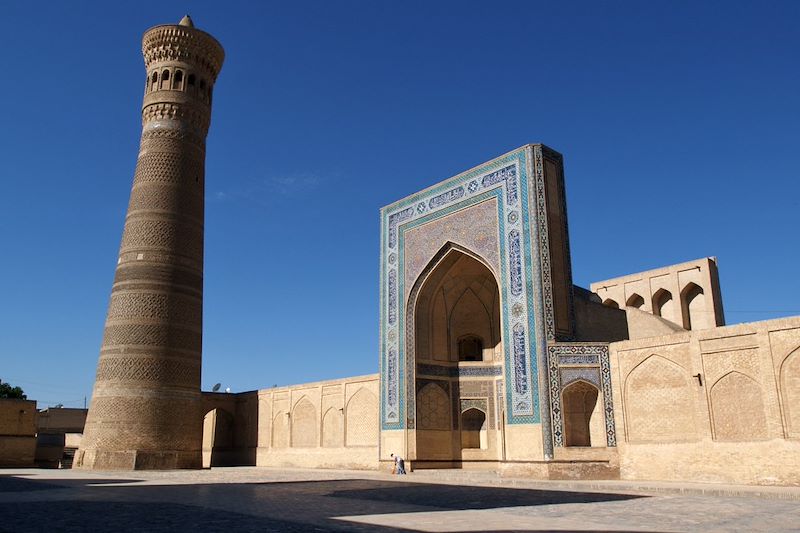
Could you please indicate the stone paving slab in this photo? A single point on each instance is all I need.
(260, 499)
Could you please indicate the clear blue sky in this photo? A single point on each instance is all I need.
(679, 123)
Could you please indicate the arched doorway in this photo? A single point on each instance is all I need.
(457, 350)
(473, 429)
(582, 414)
(217, 438)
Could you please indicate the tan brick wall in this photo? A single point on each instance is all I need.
(17, 432)
(327, 424)
(713, 405)
(17, 417)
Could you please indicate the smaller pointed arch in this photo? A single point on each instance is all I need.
(473, 429)
(609, 302)
(693, 307)
(789, 380)
(737, 408)
(579, 401)
(333, 428)
(361, 419)
(663, 304)
(304, 424)
(635, 300)
(280, 430)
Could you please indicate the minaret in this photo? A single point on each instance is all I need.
(145, 411)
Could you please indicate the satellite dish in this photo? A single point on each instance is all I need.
(228, 389)
(216, 387)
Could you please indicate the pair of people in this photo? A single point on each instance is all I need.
(399, 465)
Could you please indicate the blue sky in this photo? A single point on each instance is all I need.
(679, 123)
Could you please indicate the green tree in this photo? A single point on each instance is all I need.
(7, 391)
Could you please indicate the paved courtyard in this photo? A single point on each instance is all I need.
(258, 499)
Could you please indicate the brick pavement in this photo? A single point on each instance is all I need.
(260, 499)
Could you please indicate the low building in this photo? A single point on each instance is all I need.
(59, 432)
(17, 432)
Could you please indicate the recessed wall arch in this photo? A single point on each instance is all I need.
(789, 380)
(304, 424)
(361, 419)
(280, 430)
(737, 408)
(655, 390)
(693, 307)
(333, 428)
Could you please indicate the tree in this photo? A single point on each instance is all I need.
(7, 391)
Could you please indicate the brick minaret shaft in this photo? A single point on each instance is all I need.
(145, 411)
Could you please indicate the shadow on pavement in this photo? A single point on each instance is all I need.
(279, 506)
(13, 483)
(459, 497)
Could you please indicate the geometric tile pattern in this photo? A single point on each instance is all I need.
(455, 371)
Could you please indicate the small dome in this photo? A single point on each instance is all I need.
(186, 21)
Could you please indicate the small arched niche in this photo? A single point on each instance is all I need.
(470, 348)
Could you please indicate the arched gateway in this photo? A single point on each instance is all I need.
(458, 354)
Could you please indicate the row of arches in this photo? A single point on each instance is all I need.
(693, 312)
(356, 424)
(660, 402)
(175, 79)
